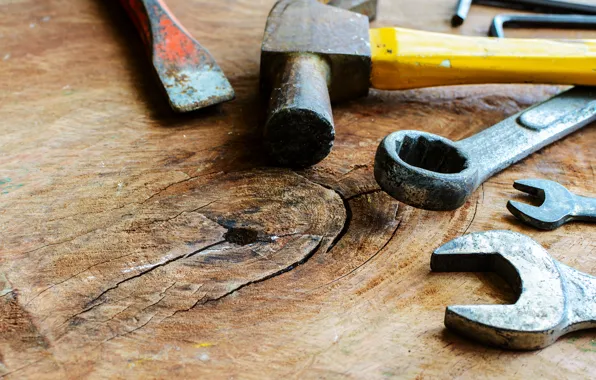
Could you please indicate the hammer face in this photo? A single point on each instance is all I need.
(307, 26)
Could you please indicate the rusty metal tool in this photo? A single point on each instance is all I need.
(539, 21)
(431, 172)
(461, 12)
(187, 72)
(364, 7)
(554, 299)
(558, 207)
(314, 54)
(542, 6)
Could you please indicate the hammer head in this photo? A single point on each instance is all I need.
(312, 54)
(307, 26)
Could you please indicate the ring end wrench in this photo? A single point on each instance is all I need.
(434, 173)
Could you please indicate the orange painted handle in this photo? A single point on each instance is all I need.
(165, 38)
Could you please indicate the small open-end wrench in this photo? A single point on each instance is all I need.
(558, 207)
(554, 299)
(431, 172)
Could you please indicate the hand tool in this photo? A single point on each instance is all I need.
(434, 173)
(544, 6)
(364, 7)
(554, 299)
(558, 207)
(187, 72)
(461, 12)
(314, 53)
(539, 21)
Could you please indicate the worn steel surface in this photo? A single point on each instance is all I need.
(554, 299)
(187, 72)
(365, 7)
(308, 51)
(500, 22)
(299, 130)
(558, 207)
(461, 12)
(431, 172)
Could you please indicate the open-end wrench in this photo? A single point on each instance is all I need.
(431, 172)
(558, 207)
(554, 299)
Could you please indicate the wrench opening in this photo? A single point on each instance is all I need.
(554, 299)
(425, 170)
(431, 154)
(492, 262)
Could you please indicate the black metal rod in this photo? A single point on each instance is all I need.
(463, 7)
(542, 6)
(547, 6)
(500, 22)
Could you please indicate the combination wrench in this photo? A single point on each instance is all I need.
(431, 172)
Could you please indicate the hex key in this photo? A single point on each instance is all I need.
(540, 21)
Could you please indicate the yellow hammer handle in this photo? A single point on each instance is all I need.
(405, 58)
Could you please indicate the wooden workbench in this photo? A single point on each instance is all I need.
(136, 244)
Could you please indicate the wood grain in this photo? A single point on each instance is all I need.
(139, 244)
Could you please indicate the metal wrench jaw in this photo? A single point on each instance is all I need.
(553, 298)
(558, 204)
(424, 170)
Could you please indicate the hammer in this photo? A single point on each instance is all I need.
(314, 54)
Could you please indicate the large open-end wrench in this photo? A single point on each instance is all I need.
(554, 299)
(434, 173)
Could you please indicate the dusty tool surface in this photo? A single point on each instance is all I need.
(434, 173)
(553, 298)
(136, 244)
(314, 54)
(557, 205)
(188, 73)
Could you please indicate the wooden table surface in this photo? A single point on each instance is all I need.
(136, 244)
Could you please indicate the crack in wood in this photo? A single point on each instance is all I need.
(369, 259)
(270, 276)
(75, 275)
(190, 178)
(369, 192)
(130, 331)
(101, 297)
(475, 210)
(63, 241)
(142, 273)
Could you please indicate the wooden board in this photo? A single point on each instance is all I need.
(136, 244)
